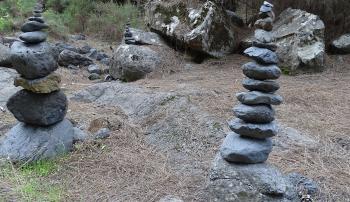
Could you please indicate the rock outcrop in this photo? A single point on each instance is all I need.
(341, 45)
(206, 30)
(5, 56)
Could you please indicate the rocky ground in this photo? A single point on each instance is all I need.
(166, 130)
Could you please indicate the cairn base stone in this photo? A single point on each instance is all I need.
(258, 131)
(237, 149)
(254, 182)
(28, 143)
(46, 84)
(33, 61)
(38, 109)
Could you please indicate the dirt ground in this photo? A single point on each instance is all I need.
(126, 168)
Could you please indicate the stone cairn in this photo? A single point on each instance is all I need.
(128, 37)
(40, 106)
(250, 142)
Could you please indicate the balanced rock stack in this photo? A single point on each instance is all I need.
(40, 106)
(128, 38)
(250, 142)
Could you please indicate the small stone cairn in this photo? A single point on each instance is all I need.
(128, 37)
(250, 142)
(41, 106)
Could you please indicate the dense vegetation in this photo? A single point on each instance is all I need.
(104, 19)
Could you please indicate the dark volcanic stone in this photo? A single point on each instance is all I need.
(237, 149)
(262, 55)
(32, 26)
(259, 131)
(256, 97)
(37, 15)
(256, 71)
(33, 61)
(38, 109)
(38, 19)
(67, 57)
(254, 113)
(33, 37)
(266, 86)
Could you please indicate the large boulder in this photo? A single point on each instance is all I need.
(68, 57)
(341, 45)
(27, 143)
(206, 30)
(145, 38)
(300, 39)
(5, 56)
(131, 62)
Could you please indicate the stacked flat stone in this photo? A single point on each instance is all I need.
(40, 103)
(250, 139)
(128, 37)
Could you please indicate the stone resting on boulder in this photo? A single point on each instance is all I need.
(41, 106)
(239, 171)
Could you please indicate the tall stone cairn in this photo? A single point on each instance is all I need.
(41, 106)
(128, 37)
(254, 125)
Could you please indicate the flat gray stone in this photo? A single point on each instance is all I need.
(33, 37)
(267, 86)
(33, 61)
(68, 57)
(248, 183)
(27, 143)
(263, 36)
(38, 109)
(256, 97)
(32, 26)
(262, 55)
(238, 149)
(259, 131)
(256, 71)
(93, 68)
(254, 113)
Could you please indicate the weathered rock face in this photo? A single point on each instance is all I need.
(145, 38)
(5, 60)
(207, 29)
(300, 39)
(341, 45)
(255, 182)
(131, 62)
(28, 143)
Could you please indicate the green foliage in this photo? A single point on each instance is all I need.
(57, 22)
(27, 183)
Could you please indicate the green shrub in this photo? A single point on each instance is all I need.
(57, 24)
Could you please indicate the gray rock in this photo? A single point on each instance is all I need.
(44, 110)
(37, 15)
(256, 97)
(79, 135)
(85, 49)
(9, 40)
(7, 89)
(170, 198)
(33, 61)
(101, 55)
(303, 183)
(256, 71)
(63, 46)
(93, 68)
(32, 26)
(251, 41)
(262, 55)
(73, 67)
(341, 45)
(254, 113)
(264, 24)
(300, 39)
(67, 57)
(238, 149)
(267, 86)
(263, 36)
(38, 19)
(92, 53)
(94, 76)
(259, 131)
(5, 56)
(33, 37)
(254, 182)
(106, 61)
(27, 143)
(78, 37)
(103, 133)
(206, 30)
(142, 37)
(131, 62)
